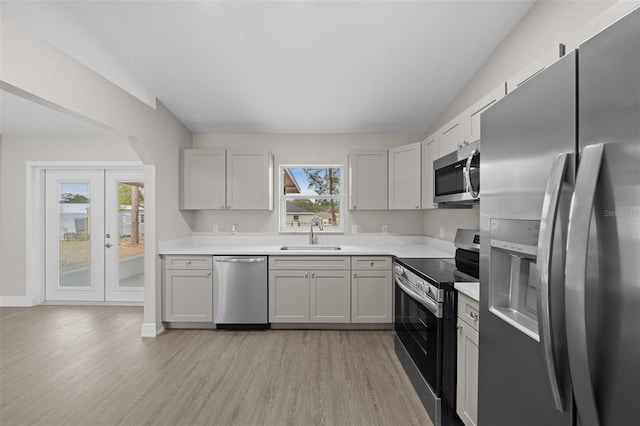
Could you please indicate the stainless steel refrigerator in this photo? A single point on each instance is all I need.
(560, 242)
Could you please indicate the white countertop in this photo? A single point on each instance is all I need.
(352, 245)
(470, 289)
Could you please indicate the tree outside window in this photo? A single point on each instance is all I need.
(307, 191)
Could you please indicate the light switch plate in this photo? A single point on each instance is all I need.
(384, 229)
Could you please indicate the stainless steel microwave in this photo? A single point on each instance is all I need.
(456, 177)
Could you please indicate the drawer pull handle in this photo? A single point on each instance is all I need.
(371, 264)
(188, 262)
(474, 316)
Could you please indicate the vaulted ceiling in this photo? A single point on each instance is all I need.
(280, 66)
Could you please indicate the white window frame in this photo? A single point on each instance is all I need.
(284, 198)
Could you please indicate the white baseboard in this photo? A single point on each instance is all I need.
(18, 301)
(151, 330)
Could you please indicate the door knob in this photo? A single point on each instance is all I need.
(108, 245)
(108, 235)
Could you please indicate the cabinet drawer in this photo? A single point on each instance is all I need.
(188, 262)
(367, 263)
(309, 262)
(468, 311)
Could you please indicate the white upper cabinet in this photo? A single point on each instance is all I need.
(430, 152)
(452, 135)
(218, 179)
(404, 176)
(368, 179)
(249, 180)
(203, 185)
(473, 113)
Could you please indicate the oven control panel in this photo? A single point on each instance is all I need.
(418, 285)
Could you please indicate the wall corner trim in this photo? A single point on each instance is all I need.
(151, 330)
(18, 301)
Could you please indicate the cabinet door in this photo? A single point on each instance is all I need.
(371, 297)
(368, 179)
(288, 296)
(533, 69)
(330, 297)
(473, 113)
(452, 135)
(404, 177)
(430, 152)
(249, 180)
(188, 296)
(203, 180)
(467, 381)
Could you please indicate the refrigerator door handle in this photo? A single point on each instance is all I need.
(467, 174)
(575, 278)
(545, 255)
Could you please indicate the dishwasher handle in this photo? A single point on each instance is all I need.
(240, 259)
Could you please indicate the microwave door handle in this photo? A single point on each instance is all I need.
(575, 277)
(467, 174)
(544, 257)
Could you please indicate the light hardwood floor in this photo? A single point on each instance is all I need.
(88, 365)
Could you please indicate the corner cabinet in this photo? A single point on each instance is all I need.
(405, 176)
(218, 179)
(368, 179)
(467, 370)
(187, 291)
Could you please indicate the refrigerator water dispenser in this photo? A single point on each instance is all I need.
(513, 275)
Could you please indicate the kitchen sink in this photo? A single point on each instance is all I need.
(311, 248)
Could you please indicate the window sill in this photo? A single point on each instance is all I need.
(306, 231)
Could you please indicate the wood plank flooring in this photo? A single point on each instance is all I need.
(88, 365)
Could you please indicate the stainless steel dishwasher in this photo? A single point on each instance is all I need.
(240, 292)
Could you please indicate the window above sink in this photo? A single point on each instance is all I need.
(309, 190)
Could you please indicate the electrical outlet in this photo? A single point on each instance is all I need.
(215, 228)
(354, 229)
(442, 232)
(234, 228)
(384, 229)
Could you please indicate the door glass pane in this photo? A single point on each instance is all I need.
(130, 234)
(74, 206)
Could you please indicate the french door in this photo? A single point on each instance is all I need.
(94, 232)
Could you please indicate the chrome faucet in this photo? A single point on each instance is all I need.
(315, 220)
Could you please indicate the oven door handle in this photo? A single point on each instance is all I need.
(433, 307)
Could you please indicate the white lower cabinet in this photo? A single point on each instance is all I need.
(329, 297)
(467, 370)
(330, 289)
(371, 289)
(188, 289)
(309, 289)
(288, 296)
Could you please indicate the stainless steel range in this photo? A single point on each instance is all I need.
(425, 322)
